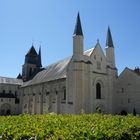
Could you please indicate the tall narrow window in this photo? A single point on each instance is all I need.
(98, 91)
(64, 94)
(122, 90)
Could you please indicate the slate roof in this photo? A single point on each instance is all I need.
(78, 27)
(32, 52)
(88, 52)
(109, 41)
(5, 80)
(136, 70)
(53, 72)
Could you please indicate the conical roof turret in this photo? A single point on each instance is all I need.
(78, 27)
(19, 76)
(109, 41)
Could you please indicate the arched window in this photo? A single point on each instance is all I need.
(98, 91)
(5, 109)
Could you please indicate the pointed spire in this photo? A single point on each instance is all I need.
(78, 27)
(109, 41)
(39, 58)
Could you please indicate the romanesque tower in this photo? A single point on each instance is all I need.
(32, 64)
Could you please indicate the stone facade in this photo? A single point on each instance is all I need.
(10, 96)
(84, 83)
(45, 97)
(127, 97)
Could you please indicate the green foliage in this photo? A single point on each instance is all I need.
(70, 127)
(98, 110)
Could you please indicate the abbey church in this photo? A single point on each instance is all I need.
(85, 82)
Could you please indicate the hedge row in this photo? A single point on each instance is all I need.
(69, 127)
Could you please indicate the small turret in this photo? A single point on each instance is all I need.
(19, 76)
(109, 42)
(78, 40)
(78, 27)
(39, 58)
(110, 50)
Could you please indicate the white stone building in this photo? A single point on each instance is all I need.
(85, 82)
(10, 102)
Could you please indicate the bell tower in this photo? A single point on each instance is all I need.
(32, 64)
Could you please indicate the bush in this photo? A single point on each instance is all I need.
(61, 127)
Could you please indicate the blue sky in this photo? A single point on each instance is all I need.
(50, 23)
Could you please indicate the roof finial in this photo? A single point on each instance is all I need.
(109, 41)
(78, 27)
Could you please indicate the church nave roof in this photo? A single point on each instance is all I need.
(53, 71)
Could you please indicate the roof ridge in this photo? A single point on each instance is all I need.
(58, 61)
(9, 77)
(66, 58)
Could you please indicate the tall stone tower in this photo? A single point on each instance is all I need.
(32, 64)
(78, 40)
(110, 50)
(111, 70)
(75, 76)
